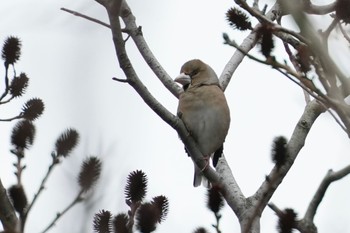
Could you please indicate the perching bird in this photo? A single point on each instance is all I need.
(203, 109)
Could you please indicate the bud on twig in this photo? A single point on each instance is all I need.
(238, 19)
(215, 200)
(89, 174)
(23, 134)
(19, 85)
(102, 222)
(19, 198)
(66, 142)
(162, 204)
(32, 109)
(287, 221)
(136, 186)
(11, 50)
(279, 151)
(120, 223)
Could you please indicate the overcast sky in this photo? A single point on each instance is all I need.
(71, 61)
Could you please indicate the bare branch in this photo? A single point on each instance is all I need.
(136, 34)
(320, 10)
(12, 118)
(233, 194)
(330, 177)
(346, 36)
(76, 200)
(278, 212)
(261, 197)
(301, 225)
(8, 216)
(327, 32)
(316, 46)
(307, 223)
(86, 17)
(268, 20)
(120, 80)
(149, 99)
(55, 161)
(248, 43)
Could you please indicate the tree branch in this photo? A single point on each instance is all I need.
(149, 99)
(264, 193)
(248, 43)
(330, 177)
(320, 9)
(55, 161)
(306, 224)
(76, 200)
(301, 225)
(8, 216)
(233, 194)
(86, 17)
(136, 34)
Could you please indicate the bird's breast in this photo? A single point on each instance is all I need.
(206, 115)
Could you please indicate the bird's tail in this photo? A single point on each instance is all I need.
(199, 178)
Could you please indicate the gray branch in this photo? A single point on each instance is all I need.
(330, 177)
(8, 216)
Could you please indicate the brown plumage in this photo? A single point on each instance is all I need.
(203, 109)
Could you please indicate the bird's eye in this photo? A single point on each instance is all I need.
(193, 73)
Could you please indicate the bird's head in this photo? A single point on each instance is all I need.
(196, 73)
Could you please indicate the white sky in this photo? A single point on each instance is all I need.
(71, 61)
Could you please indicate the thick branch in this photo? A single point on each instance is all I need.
(8, 216)
(260, 199)
(157, 107)
(233, 194)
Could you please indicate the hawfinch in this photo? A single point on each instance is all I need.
(204, 111)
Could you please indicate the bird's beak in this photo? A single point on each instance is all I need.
(183, 79)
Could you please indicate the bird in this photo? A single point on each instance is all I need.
(204, 111)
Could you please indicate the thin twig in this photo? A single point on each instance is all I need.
(269, 61)
(86, 17)
(322, 100)
(346, 36)
(296, 66)
(309, 88)
(330, 28)
(7, 101)
(135, 32)
(6, 84)
(278, 212)
(217, 225)
(12, 118)
(120, 80)
(55, 161)
(265, 19)
(76, 200)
